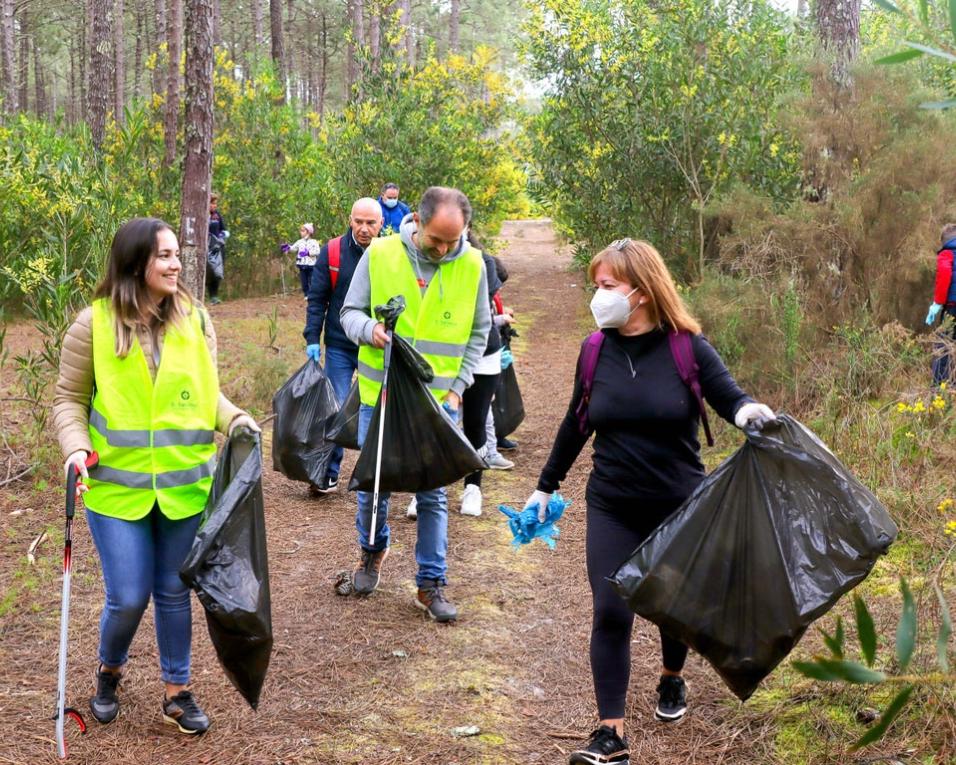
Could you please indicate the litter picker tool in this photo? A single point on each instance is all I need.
(63, 711)
(388, 314)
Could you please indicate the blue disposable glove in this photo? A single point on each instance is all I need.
(934, 310)
(453, 413)
(506, 358)
(314, 352)
(534, 521)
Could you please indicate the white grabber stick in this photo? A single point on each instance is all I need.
(381, 435)
(63, 711)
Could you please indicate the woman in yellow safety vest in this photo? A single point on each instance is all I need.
(138, 385)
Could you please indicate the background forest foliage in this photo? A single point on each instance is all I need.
(800, 211)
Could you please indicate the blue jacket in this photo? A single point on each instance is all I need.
(392, 218)
(326, 304)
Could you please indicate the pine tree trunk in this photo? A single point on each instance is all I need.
(454, 20)
(375, 33)
(406, 24)
(174, 31)
(351, 64)
(159, 74)
(324, 67)
(138, 50)
(9, 94)
(100, 70)
(258, 18)
(119, 52)
(289, 49)
(197, 165)
(39, 82)
(838, 27)
(23, 63)
(278, 50)
(216, 24)
(74, 52)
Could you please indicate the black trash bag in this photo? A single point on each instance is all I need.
(507, 407)
(423, 448)
(215, 264)
(343, 427)
(768, 543)
(303, 408)
(228, 566)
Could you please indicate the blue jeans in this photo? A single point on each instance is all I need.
(340, 365)
(942, 362)
(431, 546)
(139, 559)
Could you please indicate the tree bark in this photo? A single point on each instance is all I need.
(174, 30)
(216, 24)
(10, 101)
(197, 164)
(159, 78)
(454, 21)
(258, 17)
(291, 87)
(100, 70)
(23, 63)
(278, 50)
(405, 21)
(39, 82)
(141, 35)
(838, 27)
(119, 53)
(375, 33)
(324, 65)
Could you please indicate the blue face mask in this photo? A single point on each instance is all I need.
(390, 203)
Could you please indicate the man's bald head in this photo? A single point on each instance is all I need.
(365, 220)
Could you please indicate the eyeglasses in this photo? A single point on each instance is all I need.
(620, 244)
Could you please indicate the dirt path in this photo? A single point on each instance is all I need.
(372, 681)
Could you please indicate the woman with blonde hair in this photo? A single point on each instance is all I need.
(646, 461)
(138, 384)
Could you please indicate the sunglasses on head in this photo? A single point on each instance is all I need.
(620, 244)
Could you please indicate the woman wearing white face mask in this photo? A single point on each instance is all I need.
(646, 460)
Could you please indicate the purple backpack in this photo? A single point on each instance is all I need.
(681, 350)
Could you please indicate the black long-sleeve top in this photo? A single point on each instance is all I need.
(645, 420)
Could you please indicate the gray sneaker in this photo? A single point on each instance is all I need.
(431, 599)
(368, 572)
(183, 712)
(105, 704)
(497, 462)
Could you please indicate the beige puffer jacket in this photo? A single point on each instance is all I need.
(74, 387)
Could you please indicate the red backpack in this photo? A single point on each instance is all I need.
(335, 256)
(681, 350)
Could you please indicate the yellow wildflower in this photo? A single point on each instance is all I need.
(946, 504)
(939, 402)
(950, 529)
(919, 406)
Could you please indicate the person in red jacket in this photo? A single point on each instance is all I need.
(944, 300)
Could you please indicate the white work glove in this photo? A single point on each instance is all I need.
(754, 416)
(542, 498)
(244, 421)
(77, 461)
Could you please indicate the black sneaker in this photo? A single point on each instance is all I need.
(506, 445)
(672, 704)
(327, 486)
(183, 712)
(366, 576)
(105, 704)
(604, 746)
(431, 599)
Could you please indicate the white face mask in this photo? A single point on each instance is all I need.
(611, 308)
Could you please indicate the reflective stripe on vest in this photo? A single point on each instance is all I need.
(438, 324)
(155, 438)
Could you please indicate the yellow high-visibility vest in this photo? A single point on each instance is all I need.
(154, 438)
(438, 324)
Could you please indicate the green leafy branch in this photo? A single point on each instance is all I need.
(837, 668)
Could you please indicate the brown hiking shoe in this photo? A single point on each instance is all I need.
(431, 599)
(369, 570)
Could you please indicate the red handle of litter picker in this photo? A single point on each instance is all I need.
(72, 477)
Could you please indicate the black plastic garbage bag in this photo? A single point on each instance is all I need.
(423, 448)
(768, 543)
(228, 567)
(343, 427)
(303, 408)
(507, 407)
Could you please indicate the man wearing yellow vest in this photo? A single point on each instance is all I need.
(447, 319)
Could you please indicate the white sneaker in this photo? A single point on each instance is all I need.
(497, 462)
(471, 501)
(411, 512)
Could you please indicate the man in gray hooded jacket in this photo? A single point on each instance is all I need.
(432, 237)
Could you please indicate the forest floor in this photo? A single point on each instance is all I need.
(371, 680)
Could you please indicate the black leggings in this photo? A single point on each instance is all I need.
(474, 412)
(305, 277)
(612, 535)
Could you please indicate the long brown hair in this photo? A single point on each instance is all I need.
(637, 263)
(134, 245)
